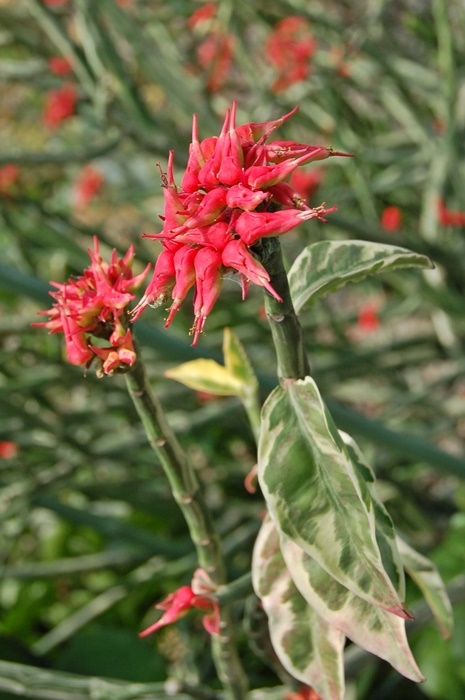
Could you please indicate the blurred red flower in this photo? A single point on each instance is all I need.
(8, 449)
(59, 65)
(304, 693)
(306, 182)
(60, 105)
(9, 174)
(289, 48)
(88, 184)
(391, 218)
(204, 13)
(450, 217)
(368, 320)
(214, 54)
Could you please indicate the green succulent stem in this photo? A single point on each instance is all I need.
(188, 495)
(285, 326)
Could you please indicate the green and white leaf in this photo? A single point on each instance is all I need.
(367, 625)
(428, 580)
(309, 649)
(315, 493)
(384, 527)
(327, 265)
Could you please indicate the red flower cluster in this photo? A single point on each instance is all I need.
(59, 65)
(180, 602)
(232, 194)
(391, 219)
(60, 105)
(450, 217)
(88, 184)
(289, 48)
(9, 174)
(215, 51)
(8, 449)
(91, 312)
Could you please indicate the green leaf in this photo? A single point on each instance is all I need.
(309, 649)
(428, 580)
(316, 495)
(367, 625)
(327, 265)
(206, 375)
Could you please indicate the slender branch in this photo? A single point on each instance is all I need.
(187, 493)
(285, 326)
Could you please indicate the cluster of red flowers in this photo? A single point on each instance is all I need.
(289, 49)
(91, 312)
(9, 174)
(88, 184)
(180, 602)
(232, 194)
(450, 217)
(60, 105)
(214, 53)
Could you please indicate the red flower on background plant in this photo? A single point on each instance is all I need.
(59, 65)
(306, 182)
(186, 598)
(450, 217)
(215, 51)
(368, 320)
(391, 218)
(8, 449)
(91, 312)
(232, 194)
(9, 174)
(88, 184)
(289, 49)
(304, 693)
(60, 105)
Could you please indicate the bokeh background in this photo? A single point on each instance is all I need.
(93, 95)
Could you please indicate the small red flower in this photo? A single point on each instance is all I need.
(368, 320)
(306, 183)
(214, 55)
(450, 217)
(203, 14)
(60, 105)
(391, 219)
(232, 194)
(8, 449)
(289, 49)
(180, 602)
(304, 693)
(88, 184)
(91, 312)
(9, 174)
(59, 65)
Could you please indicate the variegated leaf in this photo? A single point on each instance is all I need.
(327, 265)
(384, 527)
(309, 649)
(428, 580)
(369, 626)
(315, 494)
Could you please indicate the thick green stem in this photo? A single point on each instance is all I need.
(285, 326)
(187, 493)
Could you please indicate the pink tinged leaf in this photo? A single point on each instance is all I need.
(251, 226)
(242, 197)
(211, 622)
(237, 256)
(252, 131)
(185, 278)
(208, 273)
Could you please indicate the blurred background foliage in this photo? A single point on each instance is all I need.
(94, 93)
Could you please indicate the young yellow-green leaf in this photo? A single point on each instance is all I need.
(367, 625)
(309, 649)
(327, 265)
(384, 527)
(315, 494)
(428, 580)
(237, 363)
(206, 375)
